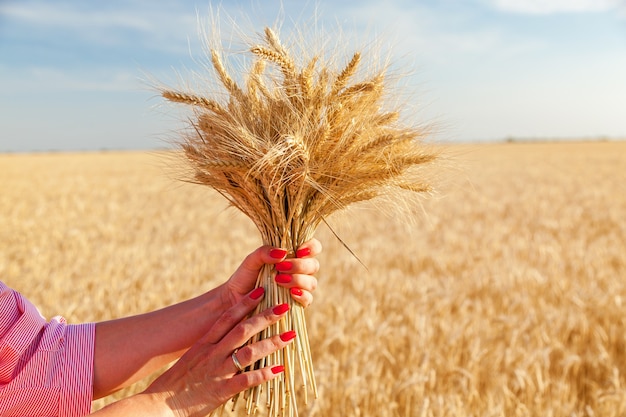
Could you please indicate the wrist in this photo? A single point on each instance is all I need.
(160, 403)
(156, 402)
(211, 305)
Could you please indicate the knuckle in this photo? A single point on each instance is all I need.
(245, 355)
(228, 316)
(307, 266)
(308, 298)
(305, 282)
(242, 330)
(251, 379)
(248, 303)
(275, 343)
(316, 265)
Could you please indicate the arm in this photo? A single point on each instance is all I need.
(138, 405)
(206, 377)
(128, 349)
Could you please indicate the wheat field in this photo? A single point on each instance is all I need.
(502, 295)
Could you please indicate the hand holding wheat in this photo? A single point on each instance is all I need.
(298, 142)
(299, 278)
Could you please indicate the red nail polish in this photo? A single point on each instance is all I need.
(283, 278)
(280, 309)
(278, 369)
(288, 335)
(278, 253)
(284, 266)
(296, 291)
(257, 293)
(301, 253)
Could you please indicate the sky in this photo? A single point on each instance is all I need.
(73, 74)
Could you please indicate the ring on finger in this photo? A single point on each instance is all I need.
(236, 361)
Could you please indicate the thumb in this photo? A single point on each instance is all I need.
(246, 274)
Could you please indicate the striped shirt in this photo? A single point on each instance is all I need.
(46, 368)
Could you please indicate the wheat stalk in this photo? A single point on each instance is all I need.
(288, 153)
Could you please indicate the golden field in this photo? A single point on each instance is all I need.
(503, 295)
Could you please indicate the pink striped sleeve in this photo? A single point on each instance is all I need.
(46, 368)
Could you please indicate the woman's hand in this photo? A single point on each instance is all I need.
(206, 376)
(297, 274)
(131, 348)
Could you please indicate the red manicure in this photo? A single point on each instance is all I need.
(257, 293)
(278, 253)
(283, 278)
(301, 253)
(296, 291)
(288, 335)
(284, 266)
(280, 309)
(277, 369)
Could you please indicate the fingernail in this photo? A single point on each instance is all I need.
(278, 253)
(281, 309)
(257, 293)
(301, 253)
(284, 266)
(296, 291)
(278, 369)
(283, 278)
(288, 335)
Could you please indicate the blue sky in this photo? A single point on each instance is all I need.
(71, 71)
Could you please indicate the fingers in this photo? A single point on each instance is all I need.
(246, 274)
(251, 353)
(304, 298)
(270, 255)
(309, 249)
(303, 282)
(206, 374)
(251, 379)
(308, 266)
(243, 331)
(293, 272)
(300, 286)
(253, 263)
(297, 274)
(249, 269)
(234, 315)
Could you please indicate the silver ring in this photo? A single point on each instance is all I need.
(236, 361)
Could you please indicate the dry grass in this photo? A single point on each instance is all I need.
(506, 298)
(302, 142)
(304, 139)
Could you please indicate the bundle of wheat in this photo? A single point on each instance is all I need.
(295, 145)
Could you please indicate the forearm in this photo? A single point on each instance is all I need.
(138, 405)
(128, 349)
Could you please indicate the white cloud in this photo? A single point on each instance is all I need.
(440, 37)
(52, 14)
(473, 71)
(557, 6)
(157, 27)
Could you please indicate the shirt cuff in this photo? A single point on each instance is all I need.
(77, 379)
